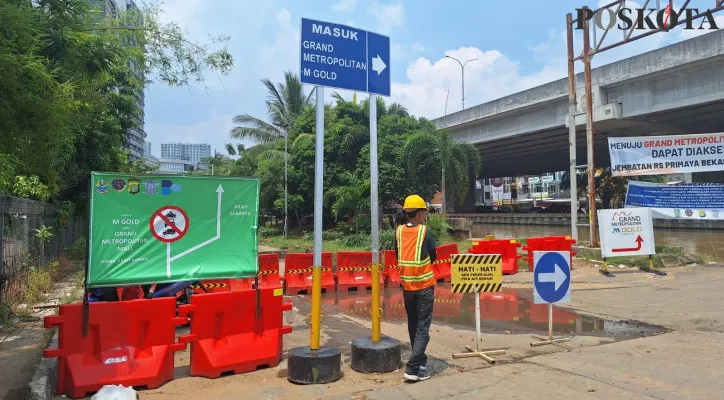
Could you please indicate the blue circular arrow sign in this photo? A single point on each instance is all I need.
(552, 277)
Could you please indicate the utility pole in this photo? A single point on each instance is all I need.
(286, 214)
(462, 67)
(572, 129)
(442, 162)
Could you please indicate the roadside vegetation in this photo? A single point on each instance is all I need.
(36, 280)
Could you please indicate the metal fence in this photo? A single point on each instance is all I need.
(21, 247)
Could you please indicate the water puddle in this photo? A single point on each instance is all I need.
(508, 311)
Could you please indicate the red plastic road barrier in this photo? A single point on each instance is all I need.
(441, 266)
(507, 248)
(269, 271)
(392, 270)
(129, 343)
(212, 286)
(298, 275)
(226, 335)
(549, 243)
(237, 285)
(354, 270)
(447, 303)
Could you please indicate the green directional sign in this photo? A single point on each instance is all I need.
(147, 229)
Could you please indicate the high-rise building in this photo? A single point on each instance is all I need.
(147, 149)
(136, 135)
(192, 152)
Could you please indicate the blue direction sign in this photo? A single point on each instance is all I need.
(378, 54)
(344, 57)
(551, 277)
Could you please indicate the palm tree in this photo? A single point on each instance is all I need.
(350, 199)
(285, 102)
(460, 161)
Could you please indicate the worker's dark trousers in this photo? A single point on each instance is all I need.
(418, 304)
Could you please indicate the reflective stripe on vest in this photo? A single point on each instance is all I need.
(415, 272)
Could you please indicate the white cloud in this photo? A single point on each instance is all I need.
(344, 5)
(406, 50)
(690, 33)
(495, 75)
(388, 16)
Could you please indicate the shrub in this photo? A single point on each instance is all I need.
(387, 239)
(269, 231)
(362, 240)
(439, 226)
(77, 250)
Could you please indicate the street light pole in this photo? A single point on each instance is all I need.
(462, 67)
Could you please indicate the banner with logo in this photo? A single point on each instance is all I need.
(147, 229)
(659, 155)
(704, 201)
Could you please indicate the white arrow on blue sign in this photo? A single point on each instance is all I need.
(344, 57)
(551, 277)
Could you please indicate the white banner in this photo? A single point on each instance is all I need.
(659, 155)
(626, 232)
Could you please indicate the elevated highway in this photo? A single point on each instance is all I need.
(678, 89)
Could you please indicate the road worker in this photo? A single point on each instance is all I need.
(415, 248)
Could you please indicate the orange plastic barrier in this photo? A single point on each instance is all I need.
(226, 335)
(213, 286)
(269, 271)
(549, 243)
(354, 270)
(507, 248)
(298, 272)
(447, 303)
(392, 271)
(441, 266)
(129, 343)
(237, 285)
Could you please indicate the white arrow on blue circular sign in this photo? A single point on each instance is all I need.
(551, 277)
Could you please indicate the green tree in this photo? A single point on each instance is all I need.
(285, 103)
(69, 76)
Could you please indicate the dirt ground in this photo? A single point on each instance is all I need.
(636, 335)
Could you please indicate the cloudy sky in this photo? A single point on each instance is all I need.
(519, 44)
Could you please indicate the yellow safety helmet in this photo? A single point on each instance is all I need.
(414, 202)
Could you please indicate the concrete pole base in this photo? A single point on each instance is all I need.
(383, 356)
(306, 366)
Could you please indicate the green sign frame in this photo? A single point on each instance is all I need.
(149, 229)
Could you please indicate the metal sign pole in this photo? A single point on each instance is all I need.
(477, 318)
(485, 355)
(374, 224)
(317, 258)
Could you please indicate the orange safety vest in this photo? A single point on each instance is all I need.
(415, 271)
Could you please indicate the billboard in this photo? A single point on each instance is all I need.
(147, 229)
(660, 155)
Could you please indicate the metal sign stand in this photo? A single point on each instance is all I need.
(485, 355)
(549, 340)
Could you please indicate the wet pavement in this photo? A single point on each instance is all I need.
(510, 311)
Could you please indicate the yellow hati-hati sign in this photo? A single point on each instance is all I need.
(476, 273)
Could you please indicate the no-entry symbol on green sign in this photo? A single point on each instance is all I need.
(169, 224)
